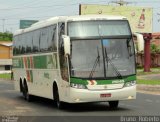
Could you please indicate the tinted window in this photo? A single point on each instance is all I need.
(44, 39)
(29, 43)
(98, 28)
(41, 40)
(36, 40)
(15, 45)
(52, 37)
(22, 39)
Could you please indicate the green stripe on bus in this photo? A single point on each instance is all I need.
(28, 62)
(45, 62)
(102, 82)
(18, 63)
(38, 62)
(31, 76)
(78, 81)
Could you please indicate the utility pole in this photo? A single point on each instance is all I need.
(159, 18)
(147, 54)
(3, 21)
(121, 2)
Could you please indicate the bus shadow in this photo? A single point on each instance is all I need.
(78, 107)
(39, 101)
(87, 107)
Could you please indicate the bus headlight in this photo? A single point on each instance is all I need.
(130, 83)
(78, 86)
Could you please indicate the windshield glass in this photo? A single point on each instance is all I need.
(85, 53)
(101, 49)
(83, 58)
(98, 27)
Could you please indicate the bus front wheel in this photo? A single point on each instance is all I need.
(57, 101)
(113, 104)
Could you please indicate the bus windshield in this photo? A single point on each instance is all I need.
(104, 56)
(98, 28)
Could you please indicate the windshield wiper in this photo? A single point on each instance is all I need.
(95, 64)
(115, 69)
(129, 47)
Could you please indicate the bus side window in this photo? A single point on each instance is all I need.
(52, 38)
(19, 44)
(29, 42)
(61, 32)
(44, 40)
(21, 40)
(15, 45)
(36, 40)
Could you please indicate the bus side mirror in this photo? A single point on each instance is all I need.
(66, 41)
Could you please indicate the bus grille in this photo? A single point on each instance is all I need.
(105, 87)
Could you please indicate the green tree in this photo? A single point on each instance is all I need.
(155, 48)
(7, 36)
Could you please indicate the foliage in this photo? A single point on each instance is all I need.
(7, 36)
(5, 76)
(155, 48)
(148, 82)
(140, 71)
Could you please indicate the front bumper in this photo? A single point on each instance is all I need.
(85, 95)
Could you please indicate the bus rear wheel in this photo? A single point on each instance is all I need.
(113, 104)
(26, 95)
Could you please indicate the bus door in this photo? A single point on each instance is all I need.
(63, 60)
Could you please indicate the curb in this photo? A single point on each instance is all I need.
(149, 77)
(7, 80)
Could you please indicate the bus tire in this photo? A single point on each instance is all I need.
(57, 101)
(21, 86)
(26, 94)
(113, 104)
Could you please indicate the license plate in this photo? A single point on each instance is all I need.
(105, 95)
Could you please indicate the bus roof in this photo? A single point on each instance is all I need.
(54, 20)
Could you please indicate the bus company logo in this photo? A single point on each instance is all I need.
(92, 82)
(117, 81)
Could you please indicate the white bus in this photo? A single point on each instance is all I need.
(76, 59)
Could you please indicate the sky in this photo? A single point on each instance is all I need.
(12, 11)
